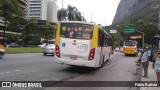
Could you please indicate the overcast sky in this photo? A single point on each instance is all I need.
(103, 11)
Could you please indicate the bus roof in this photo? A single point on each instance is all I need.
(77, 22)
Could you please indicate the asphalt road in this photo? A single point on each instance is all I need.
(31, 67)
(36, 67)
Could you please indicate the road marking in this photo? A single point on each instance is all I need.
(7, 72)
(1, 73)
(18, 70)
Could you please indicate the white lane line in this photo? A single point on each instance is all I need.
(18, 70)
(7, 72)
(1, 73)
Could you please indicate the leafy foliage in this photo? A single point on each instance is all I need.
(71, 13)
(145, 20)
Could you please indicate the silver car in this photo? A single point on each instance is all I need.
(48, 49)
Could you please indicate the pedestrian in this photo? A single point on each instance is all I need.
(145, 60)
(156, 58)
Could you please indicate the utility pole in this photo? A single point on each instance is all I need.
(83, 16)
(62, 12)
(159, 19)
(91, 16)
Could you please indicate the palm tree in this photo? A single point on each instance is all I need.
(62, 14)
(71, 13)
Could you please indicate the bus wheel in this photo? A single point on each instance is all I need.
(44, 54)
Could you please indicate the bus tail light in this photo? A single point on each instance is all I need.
(57, 51)
(91, 54)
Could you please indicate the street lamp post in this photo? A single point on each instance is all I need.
(91, 16)
(82, 16)
(159, 19)
(62, 12)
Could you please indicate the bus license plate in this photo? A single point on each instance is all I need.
(73, 57)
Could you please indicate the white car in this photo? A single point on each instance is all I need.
(48, 49)
(117, 49)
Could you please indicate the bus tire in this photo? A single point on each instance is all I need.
(44, 54)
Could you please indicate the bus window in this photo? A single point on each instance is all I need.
(129, 43)
(101, 39)
(109, 41)
(76, 31)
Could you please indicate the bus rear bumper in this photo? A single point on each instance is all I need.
(76, 62)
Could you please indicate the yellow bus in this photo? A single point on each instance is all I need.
(131, 47)
(82, 44)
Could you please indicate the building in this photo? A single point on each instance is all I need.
(37, 9)
(52, 11)
(23, 4)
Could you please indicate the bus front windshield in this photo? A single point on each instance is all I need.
(76, 31)
(130, 43)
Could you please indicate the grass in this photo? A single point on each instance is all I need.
(23, 50)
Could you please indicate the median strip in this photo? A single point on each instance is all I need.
(23, 50)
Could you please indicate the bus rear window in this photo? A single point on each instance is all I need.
(76, 31)
(129, 43)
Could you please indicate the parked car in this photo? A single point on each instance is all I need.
(48, 49)
(2, 51)
(13, 45)
(117, 49)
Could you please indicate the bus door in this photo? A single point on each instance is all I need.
(103, 49)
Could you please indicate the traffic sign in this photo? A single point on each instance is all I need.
(129, 29)
(107, 30)
(111, 31)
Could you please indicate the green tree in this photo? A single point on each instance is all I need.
(62, 14)
(12, 13)
(71, 13)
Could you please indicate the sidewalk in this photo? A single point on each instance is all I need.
(151, 77)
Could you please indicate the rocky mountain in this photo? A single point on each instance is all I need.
(128, 8)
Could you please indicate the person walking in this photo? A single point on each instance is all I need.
(145, 60)
(156, 58)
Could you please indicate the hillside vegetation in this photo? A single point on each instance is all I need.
(145, 20)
